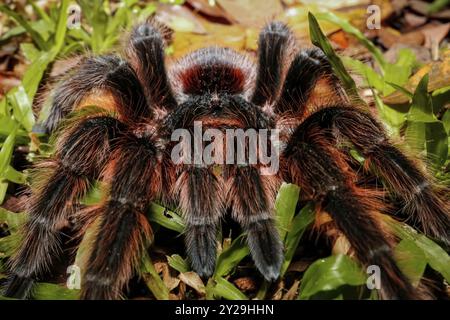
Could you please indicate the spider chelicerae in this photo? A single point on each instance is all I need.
(125, 143)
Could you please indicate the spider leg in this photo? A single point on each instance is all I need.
(202, 204)
(110, 75)
(123, 232)
(275, 42)
(251, 196)
(146, 55)
(81, 153)
(424, 201)
(309, 77)
(322, 172)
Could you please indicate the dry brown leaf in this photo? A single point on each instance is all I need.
(435, 33)
(292, 292)
(180, 19)
(279, 291)
(340, 38)
(205, 7)
(389, 37)
(245, 284)
(414, 20)
(193, 280)
(217, 35)
(341, 245)
(299, 266)
(254, 13)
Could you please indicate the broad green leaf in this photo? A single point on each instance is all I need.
(85, 247)
(13, 175)
(446, 121)
(411, 260)
(12, 219)
(401, 89)
(152, 279)
(431, 137)
(421, 107)
(178, 263)
(224, 289)
(321, 41)
(230, 257)
(165, 218)
(7, 150)
(373, 79)
(330, 274)
(9, 244)
(392, 119)
(298, 226)
(29, 51)
(436, 257)
(394, 74)
(22, 107)
(285, 205)
(50, 291)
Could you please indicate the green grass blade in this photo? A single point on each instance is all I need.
(321, 41)
(285, 205)
(166, 218)
(230, 257)
(37, 38)
(347, 27)
(152, 279)
(299, 224)
(224, 289)
(178, 263)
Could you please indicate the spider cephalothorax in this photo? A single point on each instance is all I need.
(126, 143)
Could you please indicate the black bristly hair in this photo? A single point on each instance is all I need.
(126, 145)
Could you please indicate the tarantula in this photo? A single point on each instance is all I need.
(126, 144)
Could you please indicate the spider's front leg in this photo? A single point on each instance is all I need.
(201, 200)
(123, 231)
(251, 197)
(424, 201)
(274, 46)
(109, 77)
(82, 151)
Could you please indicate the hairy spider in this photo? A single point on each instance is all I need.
(126, 143)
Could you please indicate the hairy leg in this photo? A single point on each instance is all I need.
(309, 80)
(275, 42)
(251, 197)
(322, 171)
(124, 232)
(425, 202)
(81, 153)
(146, 55)
(108, 77)
(201, 201)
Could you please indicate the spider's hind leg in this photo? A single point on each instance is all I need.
(425, 202)
(60, 182)
(124, 232)
(312, 161)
